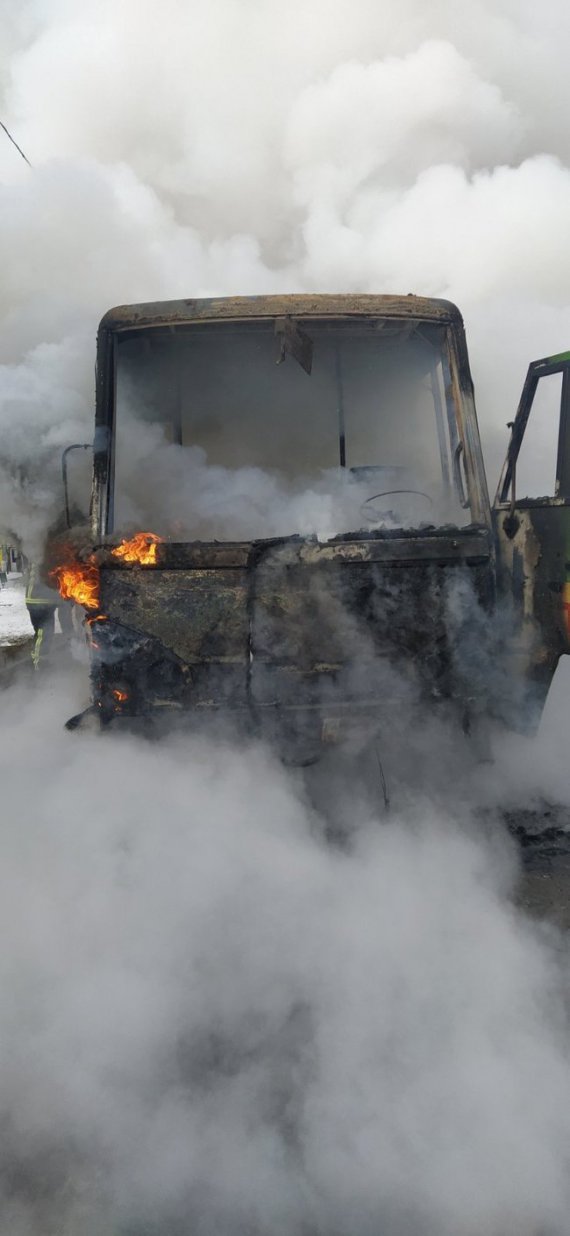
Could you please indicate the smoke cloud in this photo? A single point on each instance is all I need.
(230, 150)
(213, 1019)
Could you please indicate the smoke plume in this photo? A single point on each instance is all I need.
(227, 149)
(213, 1019)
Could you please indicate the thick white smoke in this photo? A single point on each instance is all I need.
(214, 1021)
(211, 1020)
(233, 148)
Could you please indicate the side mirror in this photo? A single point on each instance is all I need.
(69, 504)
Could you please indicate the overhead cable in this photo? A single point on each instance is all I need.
(14, 143)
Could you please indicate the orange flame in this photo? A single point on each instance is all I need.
(141, 548)
(120, 696)
(78, 582)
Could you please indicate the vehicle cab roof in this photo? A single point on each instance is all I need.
(184, 312)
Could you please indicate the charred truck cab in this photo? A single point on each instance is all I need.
(314, 469)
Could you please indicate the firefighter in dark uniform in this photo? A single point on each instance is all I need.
(41, 603)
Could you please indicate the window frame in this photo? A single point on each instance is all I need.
(467, 459)
(537, 370)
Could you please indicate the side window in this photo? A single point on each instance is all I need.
(536, 464)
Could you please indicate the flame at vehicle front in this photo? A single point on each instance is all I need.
(79, 582)
(140, 548)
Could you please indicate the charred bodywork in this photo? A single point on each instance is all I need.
(306, 637)
(533, 539)
(305, 642)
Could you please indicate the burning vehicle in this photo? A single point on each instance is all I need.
(247, 609)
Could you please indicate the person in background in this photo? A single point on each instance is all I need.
(41, 603)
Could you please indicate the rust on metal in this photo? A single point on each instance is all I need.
(184, 312)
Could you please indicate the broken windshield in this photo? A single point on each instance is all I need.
(233, 431)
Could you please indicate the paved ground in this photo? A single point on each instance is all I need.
(545, 850)
(15, 625)
(16, 632)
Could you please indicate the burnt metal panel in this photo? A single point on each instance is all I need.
(103, 442)
(533, 546)
(200, 615)
(563, 456)
(533, 542)
(183, 312)
(445, 545)
(464, 401)
(451, 547)
(300, 625)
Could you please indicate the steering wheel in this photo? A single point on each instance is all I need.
(370, 515)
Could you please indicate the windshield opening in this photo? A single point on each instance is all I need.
(233, 431)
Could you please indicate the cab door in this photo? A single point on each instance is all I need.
(531, 516)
